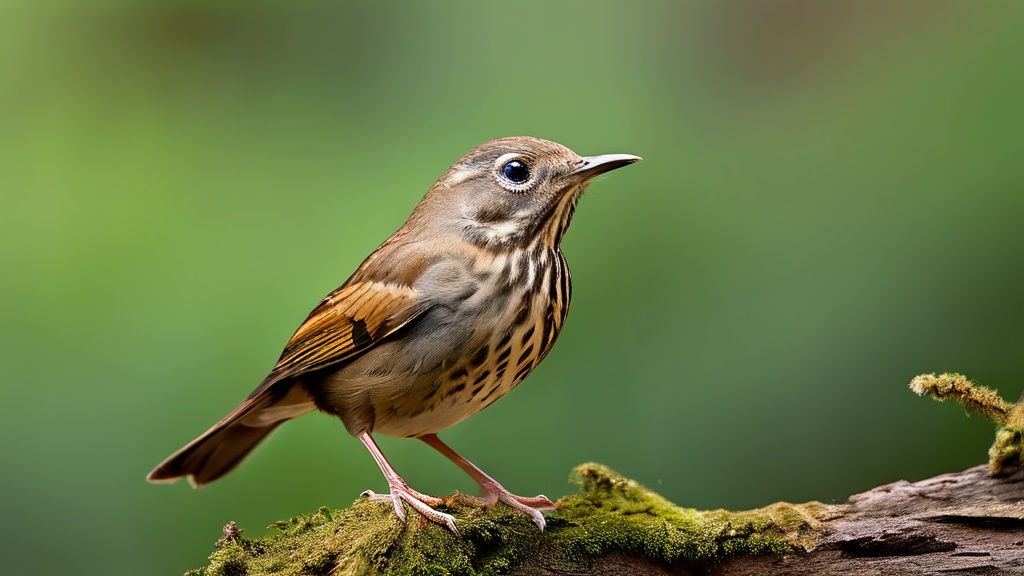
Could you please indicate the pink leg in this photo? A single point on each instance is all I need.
(492, 491)
(400, 491)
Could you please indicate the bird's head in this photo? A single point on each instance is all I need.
(514, 191)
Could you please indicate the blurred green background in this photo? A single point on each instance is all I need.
(831, 203)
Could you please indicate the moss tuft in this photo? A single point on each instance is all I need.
(1008, 448)
(612, 514)
(617, 514)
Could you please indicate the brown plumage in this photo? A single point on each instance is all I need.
(445, 317)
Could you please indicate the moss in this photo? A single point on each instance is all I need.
(611, 514)
(1008, 448)
(617, 514)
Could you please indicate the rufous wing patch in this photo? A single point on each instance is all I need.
(346, 323)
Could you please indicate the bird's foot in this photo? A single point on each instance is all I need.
(419, 502)
(494, 492)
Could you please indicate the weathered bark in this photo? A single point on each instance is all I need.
(968, 522)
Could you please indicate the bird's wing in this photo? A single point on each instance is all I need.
(349, 321)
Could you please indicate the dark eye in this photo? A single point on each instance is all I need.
(516, 171)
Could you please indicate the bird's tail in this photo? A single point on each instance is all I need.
(229, 441)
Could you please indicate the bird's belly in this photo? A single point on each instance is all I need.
(429, 417)
(421, 398)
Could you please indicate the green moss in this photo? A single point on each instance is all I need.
(617, 514)
(611, 514)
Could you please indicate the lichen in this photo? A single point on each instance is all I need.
(612, 514)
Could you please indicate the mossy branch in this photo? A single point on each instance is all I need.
(967, 521)
(611, 515)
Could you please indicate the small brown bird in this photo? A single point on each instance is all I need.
(446, 316)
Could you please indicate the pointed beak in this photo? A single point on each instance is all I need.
(593, 165)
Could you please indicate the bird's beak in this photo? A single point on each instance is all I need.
(593, 165)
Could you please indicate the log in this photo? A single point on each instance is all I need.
(971, 522)
(963, 523)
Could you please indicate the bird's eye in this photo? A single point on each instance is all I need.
(516, 171)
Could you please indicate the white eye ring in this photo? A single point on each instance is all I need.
(513, 163)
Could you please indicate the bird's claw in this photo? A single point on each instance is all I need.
(419, 502)
(422, 503)
(530, 506)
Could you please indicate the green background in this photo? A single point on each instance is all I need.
(830, 203)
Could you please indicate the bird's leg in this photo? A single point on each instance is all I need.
(400, 491)
(492, 491)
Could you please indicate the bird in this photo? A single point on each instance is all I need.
(449, 314)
